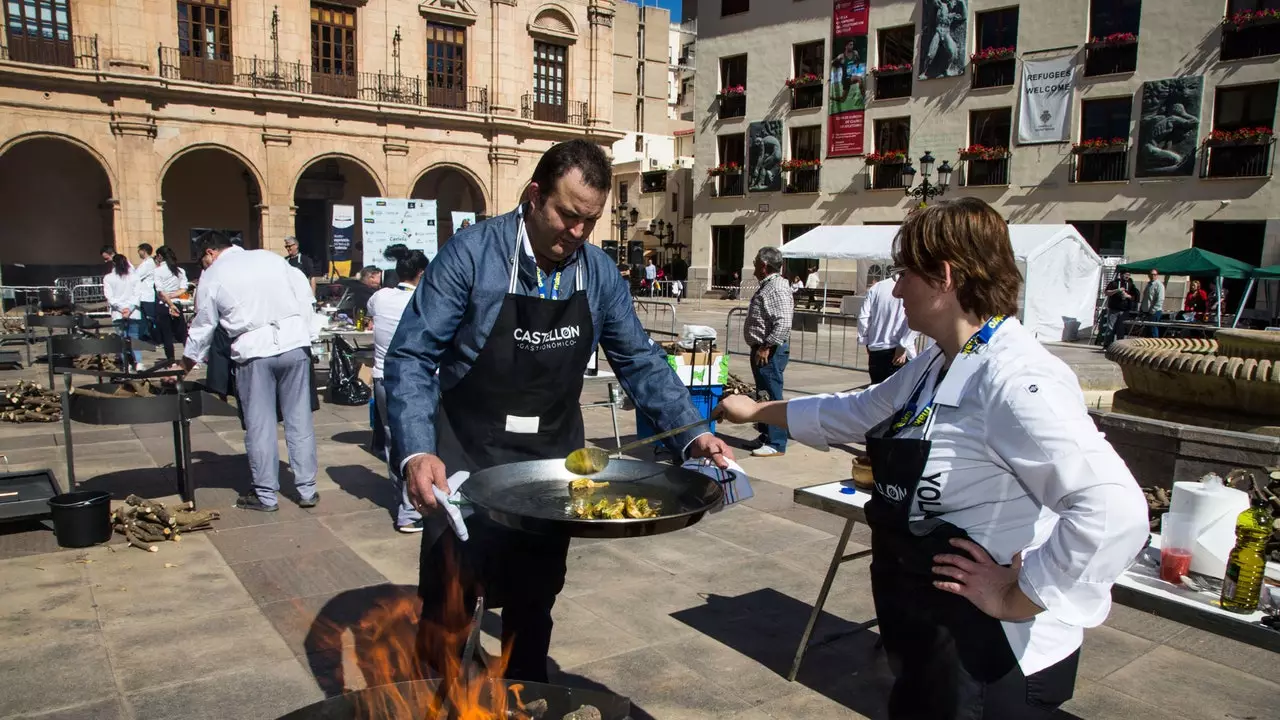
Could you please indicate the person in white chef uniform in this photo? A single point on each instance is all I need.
(1000, 516)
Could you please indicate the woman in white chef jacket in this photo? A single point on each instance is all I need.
(120, 288)
(1000, 516)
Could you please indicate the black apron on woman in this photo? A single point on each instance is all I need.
(950, 659)
(519, 401)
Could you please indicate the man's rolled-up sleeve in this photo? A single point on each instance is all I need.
(426, 331)
(200, 334)
(641, 365)
(1039, 428)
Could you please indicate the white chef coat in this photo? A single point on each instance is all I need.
(386, 306)
(1018, 464)
(121, 291)
(811, 282)
(145, 275)
(263, 303)
(882, 321)
(167, 282)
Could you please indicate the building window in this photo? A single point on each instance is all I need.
(795, 267)
(1113, 37)
(727, 250)
(806, 144)
(733, 87)
(1106, 237)
(892, 142)
(895, 49)
(1234, 148)
(675, 202)
(733, 7)
(807, 68)
(446, 66)
(549, 64)
(996, 61)
(987, 159)
(333, 50)
(652, 182)
(1249, 40)
(204, 41)
(40, 32)
(1103, 152)
(731, 150)
(622, 193)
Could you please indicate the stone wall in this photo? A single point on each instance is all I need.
(1160, 453)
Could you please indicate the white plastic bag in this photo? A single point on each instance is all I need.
(691, 333)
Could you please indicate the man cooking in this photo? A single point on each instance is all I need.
(508, 314)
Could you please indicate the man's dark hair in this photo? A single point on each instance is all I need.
(411, 265)
(397, 252)
(211, 240)
(369, 271)
(588, 157)
(145, 247)
(108, 250)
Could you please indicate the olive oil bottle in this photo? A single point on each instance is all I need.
(1242, 585)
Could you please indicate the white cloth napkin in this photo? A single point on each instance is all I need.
(454, 504)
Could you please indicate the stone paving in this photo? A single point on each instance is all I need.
(247, 621)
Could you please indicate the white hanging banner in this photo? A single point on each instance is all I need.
(388, 221)
(1046, 100)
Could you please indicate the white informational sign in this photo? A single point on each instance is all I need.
(1046, 100)
(460, 218)
(344, 221)
(387, 221)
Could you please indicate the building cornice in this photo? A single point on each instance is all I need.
(458, 12)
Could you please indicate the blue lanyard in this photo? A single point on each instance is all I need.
(555, 284)
(909, 416)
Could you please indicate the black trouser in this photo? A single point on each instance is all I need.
(880, 365)
(170, 329)
(520, 572)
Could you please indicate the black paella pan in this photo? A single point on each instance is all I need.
(534, 496)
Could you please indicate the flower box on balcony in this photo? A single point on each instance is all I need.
(734, 91)
(888, 70)
(982, 152)
(805, 80)
(889, 157)
(1113, 40)
(792, 165)
(992, 55)
(1236, 138)
(728, 169)
(1250, 18)
(1099, 146)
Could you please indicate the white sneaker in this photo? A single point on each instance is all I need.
(767, 451)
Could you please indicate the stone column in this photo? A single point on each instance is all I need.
(500, 54)
(601, 13)
(139, 212)
(399, 184)
(278, 195)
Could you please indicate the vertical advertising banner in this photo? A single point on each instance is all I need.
(344, 223)
(1046, 100)
(943, 38)
(387, 221)
(1169, 128)
(765, 156)
(846, 89)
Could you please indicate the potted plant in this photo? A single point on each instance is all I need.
(1244, 136)
(732, 91)
(891, 69)
(1250, 18)
(1094, 146)
(1114, 40)
(732, 168)
(804, 80)
(799, 164)
(983, 152)
(992, 54)
(888, 157)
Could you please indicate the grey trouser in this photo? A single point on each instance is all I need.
(261, 383)
(406, 514)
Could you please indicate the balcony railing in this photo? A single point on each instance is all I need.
(335, 84)
(1110, 59)
(890, 86)
(808, 180)
(977, 173)
(269, 74)
(75, 51)
(805, 97)
(888, 177)
(471, 98)
(728, 185)
(994, 73)
(1109, 166)
(732, 106)
(384, 88)
(176, 65)
(1237, 161)
(574, 112)
(1250, 42)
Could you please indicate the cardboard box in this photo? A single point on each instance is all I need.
(699, 373)
(366, 374)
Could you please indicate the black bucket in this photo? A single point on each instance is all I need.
(81, 519)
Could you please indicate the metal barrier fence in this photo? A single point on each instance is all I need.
(82, 288)
(816, 338)
(657, 316)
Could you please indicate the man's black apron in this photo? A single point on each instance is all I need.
(519, 401)
(951, 660)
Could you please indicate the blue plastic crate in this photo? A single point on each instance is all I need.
(704, 397)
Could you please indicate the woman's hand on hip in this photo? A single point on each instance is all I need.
(990, 586)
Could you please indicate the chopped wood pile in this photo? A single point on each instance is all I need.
(104, 363)
(144, 522)
(127, 389)
(13, 324)
(29, 402)
(734, 385)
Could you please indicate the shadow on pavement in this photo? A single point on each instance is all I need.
(360, 482)
(765, 625)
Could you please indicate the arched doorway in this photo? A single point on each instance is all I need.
(324, 183)
(55, 198)
(453, 191)
(210, 189)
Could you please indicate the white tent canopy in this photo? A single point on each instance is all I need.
(1060, 271)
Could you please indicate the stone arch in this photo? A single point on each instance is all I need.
(377, 181)
(553, 20)
(57, 195)
(37, 134)
(324, 181)
(210, 187)
(454, 187)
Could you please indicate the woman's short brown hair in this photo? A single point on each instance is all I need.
(973, 239)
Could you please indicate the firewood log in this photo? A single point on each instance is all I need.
(586, 712)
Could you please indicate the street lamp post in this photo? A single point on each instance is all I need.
(926, 190)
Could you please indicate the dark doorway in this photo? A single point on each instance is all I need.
(727, 250)
(1239, 240)
(311, 227)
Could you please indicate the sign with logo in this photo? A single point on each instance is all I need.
(557, 339)
(1046, 100)
(388, 221)
(344, 224)
(847, 87)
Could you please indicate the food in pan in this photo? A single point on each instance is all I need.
(616, 509)
(583, 487)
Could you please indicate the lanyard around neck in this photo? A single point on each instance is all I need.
(542, 284)
(522, 237)
(909, 417)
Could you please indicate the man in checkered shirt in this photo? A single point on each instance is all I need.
(768, 330)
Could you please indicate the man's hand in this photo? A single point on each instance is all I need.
(126, 312)
(899, 356)
(707, 445)
(738, 409)
(421, 473)
(188, 363)
(760, 356)
(991, 587)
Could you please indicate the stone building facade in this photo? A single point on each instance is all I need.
(132, 122)
(1227, 204)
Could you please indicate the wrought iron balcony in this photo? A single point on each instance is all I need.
(979, 173)
(1238, 161)
(889, 86)
(572, 112)
(808, 180)
(994, 73)
(732, 106)
(805, 97)
(1110, 59)
(343, 85)
(72, 51)
(1255, 40)
(1101, 166)
(470, 97)
(729, 185)
(177, 65)
(888, 177)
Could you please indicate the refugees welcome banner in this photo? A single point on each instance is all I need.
(846, 90)
(1046, 100)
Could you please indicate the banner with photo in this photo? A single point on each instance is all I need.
(764, 156)
(1169, 127)
(1046, 100)
(846, 89)
(943, 38)
(462, 220)
(387, 221)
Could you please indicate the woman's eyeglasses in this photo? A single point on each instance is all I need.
(895, 272)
